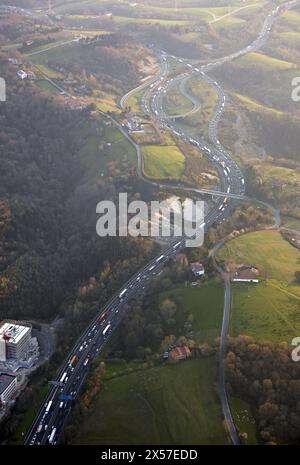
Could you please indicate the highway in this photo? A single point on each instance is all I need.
(149, 83)
(52, 416)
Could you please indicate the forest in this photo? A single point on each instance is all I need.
(48, 242)
(264, 374)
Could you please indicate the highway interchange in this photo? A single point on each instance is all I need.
(52, 415)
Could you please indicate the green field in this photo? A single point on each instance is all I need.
(267, 250)
(228, 22)
(289, 179)
(292, 17)
(243, 419)
(175, 103)
(163, 162)
(253, 105)
(208, 98)
(191, 11)
(162, 405)
(120, 150)
(49, 72)
(134, 101)
(254, 8)
(205, 304)
(161, 22)
(268, 310)
(259, 59)
(85, 20)
(56, 54)
(46, 86)
(290, 37)
(107, 106)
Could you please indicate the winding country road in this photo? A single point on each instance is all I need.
(225, 330)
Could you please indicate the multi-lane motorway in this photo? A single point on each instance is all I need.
(51, 418)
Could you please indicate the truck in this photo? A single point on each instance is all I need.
(159, 258)
(49, 406)
(194, 142)
(122, 293)
(73, 361)
(106, 329)
(51, 437)
(65, 397)
(62, 379)
(86, 361)
(207, 149)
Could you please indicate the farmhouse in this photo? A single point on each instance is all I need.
(246, 274)
(134, 124)
(197, 268)
(22, 74)
(180, 353)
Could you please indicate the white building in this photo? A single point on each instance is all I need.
(198, 269)
(8, 386)
(22, 74)
(14, 341)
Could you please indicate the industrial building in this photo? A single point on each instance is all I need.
(8, 386)
(15, 341)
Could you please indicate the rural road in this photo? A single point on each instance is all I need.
(223, 347)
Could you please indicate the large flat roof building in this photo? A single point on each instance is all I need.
(8, 386)
(14, 341)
